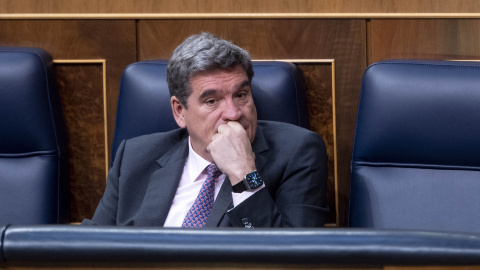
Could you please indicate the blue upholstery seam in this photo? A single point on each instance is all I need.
(421, 63)
(29, 154)
(414, 166)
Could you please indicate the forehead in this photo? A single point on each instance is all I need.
(218, 76)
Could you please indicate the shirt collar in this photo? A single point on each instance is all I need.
(195, 163)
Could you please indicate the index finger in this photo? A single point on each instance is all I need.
(235, 125)
(222, 128)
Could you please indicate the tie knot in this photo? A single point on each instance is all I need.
(213, 171)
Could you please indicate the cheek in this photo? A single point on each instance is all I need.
(251, 112)
(208, 122)
(254, 111)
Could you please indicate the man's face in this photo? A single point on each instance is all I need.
(217, 97)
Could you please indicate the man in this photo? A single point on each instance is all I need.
(271, 174)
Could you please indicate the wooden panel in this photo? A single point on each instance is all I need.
(342, 40)
(424, 39)
(248, 6)
(76, 39)
(83, 108)
(318, 81)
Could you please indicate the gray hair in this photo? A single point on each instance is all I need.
(204, 52)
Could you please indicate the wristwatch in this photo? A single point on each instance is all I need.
(251, 181)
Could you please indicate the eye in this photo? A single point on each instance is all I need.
(242, 95)
(211, 101)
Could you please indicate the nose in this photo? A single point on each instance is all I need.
(231, 111)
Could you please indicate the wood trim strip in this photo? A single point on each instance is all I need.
(107, 16)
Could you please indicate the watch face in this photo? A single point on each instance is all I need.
(254, 180)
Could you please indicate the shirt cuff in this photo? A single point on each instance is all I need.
(238, 198)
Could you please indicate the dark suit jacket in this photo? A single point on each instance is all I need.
(291, 160)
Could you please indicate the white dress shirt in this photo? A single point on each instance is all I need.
(193, 176)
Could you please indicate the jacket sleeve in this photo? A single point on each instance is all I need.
(297, 198)
(106, 211)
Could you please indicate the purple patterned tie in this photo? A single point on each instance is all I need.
(198, 214)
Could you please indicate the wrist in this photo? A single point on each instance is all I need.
(237, 176)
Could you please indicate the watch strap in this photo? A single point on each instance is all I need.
(239, 187)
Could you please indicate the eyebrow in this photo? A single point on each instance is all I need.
(206, 93)
(244, 83)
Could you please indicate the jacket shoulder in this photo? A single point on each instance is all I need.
(155, 144)
(285, 132)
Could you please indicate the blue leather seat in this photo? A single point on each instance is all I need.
(33, 148)
(416, 157)
(144, 100)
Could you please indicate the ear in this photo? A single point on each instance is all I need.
(178, 111)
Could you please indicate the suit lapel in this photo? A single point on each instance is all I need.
(224, 202)
(260, 148)
(163, 186)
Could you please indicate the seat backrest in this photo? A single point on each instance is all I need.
(144, 100)
(33, 148)
(416, 161)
